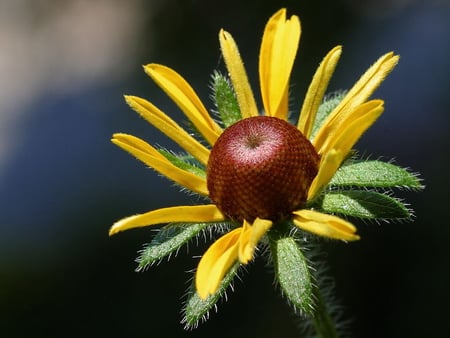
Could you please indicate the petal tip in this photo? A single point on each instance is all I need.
(132, 101)
(224, 35)
(350, 237)
(281, 12)
(113, 230)
(355, 238)
(153, 68)
(338, 49)
(150, 66)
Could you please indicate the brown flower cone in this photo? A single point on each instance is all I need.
(261, 167)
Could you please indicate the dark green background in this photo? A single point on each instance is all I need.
(65, 184)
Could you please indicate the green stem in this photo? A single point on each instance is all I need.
(323, 323)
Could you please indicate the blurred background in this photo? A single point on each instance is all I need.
(64, 66)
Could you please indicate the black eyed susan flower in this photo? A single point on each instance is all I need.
(257, 171)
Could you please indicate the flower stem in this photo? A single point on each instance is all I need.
(322, 321)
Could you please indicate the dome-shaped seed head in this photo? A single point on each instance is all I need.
(261, 167)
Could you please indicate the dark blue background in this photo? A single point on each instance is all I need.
(65, 183)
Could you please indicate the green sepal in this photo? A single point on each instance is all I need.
(225, 100)
(292, 273)
(185, 161)
(168, 240)
(326, 107)
(375, 174)
(197, 309)
(364, 204)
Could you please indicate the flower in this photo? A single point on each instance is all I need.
(262, 169)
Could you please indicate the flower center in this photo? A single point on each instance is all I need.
(261, 167)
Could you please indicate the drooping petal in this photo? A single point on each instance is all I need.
(325, 225)
(197, 213)
(169, 127)
(359, 93)
(215, 263)
(278, 49)
(317, 90)
(238, 75)
(250, 236)
(150, 156)
(179, 90)
(329, 164)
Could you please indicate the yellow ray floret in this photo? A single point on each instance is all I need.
(341, 140)
(324, 225)
(169, 127)
(250, 236)
(278, 49)
(216, 262)
(237, 245)
(150, 156)
(345, 136)
(359, 93)
(197, 213)
(329, 164)
(317, 90)
(179, 90)
(238, 75)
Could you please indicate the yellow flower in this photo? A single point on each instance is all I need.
(248, 201)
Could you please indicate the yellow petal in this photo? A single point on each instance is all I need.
(329, 164)
(137, 144)
(278, 49)
(250, 236)
(155, 160)
(177, 88)
(197, 213)
(340, 142)
(317, 90)
(351, 130)
(169, 127)
(216, 262)
(325, 225)
(359, 93)
(238, 75)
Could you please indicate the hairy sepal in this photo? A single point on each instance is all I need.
(168, 240)
(292, 273)
(375, 174)
(225, 100)
(196, 310)
(364, 204)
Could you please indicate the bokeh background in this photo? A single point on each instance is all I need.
(64, 66)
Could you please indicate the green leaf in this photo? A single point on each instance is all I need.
(225, 100)
(364, 204)
(375, 174)
(196, 309)
(292, 272)
(169, 239)
(326, 107)
(185, 162)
